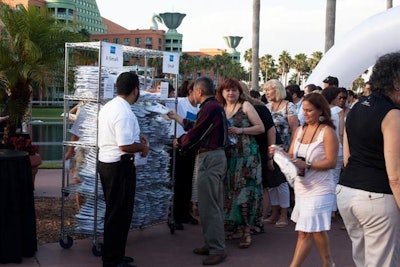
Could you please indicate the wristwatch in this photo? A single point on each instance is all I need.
(308, 165)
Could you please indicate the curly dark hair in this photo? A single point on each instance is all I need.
(386, 73)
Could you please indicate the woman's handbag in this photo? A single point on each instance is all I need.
(274, 178)
(287, 167)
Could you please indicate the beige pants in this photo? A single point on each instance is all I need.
(373, 223)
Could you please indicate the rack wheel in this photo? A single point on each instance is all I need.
(97, 250)
(67, 245)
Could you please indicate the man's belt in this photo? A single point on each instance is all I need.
(204, 149)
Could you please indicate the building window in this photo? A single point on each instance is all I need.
(149, 40)
(116, 41)
(159, 41)
(127, 41)
(149, 46)
(105, 39)
(138, 41)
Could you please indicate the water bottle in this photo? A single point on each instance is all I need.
(232, 138)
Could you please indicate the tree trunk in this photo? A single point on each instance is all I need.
(255, 45)
(330, 24)
(389, 4)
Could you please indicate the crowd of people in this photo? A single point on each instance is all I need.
(345, 149)
(310, 127)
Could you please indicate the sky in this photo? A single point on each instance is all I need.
(297, 26)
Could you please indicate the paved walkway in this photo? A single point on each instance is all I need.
(155, 247)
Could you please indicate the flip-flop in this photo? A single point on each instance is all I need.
(255, 232)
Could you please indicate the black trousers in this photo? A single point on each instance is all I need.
(184, 165)
(119, 183)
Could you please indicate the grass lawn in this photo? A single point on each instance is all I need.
(47, 113)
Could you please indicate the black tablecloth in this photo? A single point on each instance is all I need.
(17, 208)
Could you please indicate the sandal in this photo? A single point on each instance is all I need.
(257, 231)
(271, 220)
(283, 222)
(238, 233)
(245, 242)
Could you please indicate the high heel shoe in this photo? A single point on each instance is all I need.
(245, 242)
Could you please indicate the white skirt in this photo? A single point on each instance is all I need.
(313, 214)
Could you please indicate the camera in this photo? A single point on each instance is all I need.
(301, 171)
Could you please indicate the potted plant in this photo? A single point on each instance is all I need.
(32, 45)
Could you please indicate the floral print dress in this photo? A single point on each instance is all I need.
(243, 188)
(280, 118)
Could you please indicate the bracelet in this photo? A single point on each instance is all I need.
(309, 165)
(242, 130)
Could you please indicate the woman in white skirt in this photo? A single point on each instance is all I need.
(314, 151)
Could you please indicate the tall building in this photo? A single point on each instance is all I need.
(82, 14)
(173, 39)
(148, 38)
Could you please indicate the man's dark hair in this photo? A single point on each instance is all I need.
(311, 87)
(332, 81)
(255, 94)
(127, 82)
(295, 89)
(351, 93)
(206, 85)
(330, 93)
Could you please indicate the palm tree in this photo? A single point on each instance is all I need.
(255, 45)
(330, 24)
(314, 59)
(206, 64)
(156, 63)
(220, 65)
(357, 84)
(235, 69)
(300, 64)
(285, 64)
(248, 55)
(31, 54)
(266, 63)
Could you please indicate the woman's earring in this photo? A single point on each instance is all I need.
(321, 118)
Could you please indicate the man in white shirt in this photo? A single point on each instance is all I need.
(118, 139)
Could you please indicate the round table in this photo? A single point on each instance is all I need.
(17, 207)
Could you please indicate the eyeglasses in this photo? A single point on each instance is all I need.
(343, 97)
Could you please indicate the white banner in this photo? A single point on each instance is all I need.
(164, 90)
(171, 63)
(111, 55)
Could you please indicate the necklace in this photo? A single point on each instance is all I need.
(277, 108)
(233, 110)
(312, 138)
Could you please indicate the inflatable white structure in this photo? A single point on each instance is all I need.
(360, 48)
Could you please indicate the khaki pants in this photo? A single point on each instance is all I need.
(373, 223)
(211, 172)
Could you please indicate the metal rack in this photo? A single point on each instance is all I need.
(70, 97)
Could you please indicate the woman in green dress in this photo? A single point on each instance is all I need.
(243, 187)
